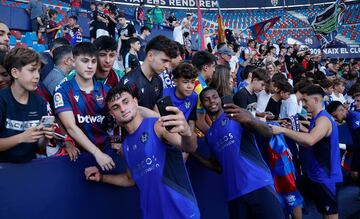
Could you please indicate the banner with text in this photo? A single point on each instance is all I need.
(175, 3)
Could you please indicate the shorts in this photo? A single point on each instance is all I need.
(34, 25)
(261, 203)
(101, 32)
(355, 162)
(324, 199)
(291, 200)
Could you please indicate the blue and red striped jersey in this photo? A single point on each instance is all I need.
(89, 109)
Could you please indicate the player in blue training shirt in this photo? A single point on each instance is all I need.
(248, 182)
(320, 153)
(153, 157)
(80, 105)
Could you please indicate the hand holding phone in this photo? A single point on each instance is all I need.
(47, 121)
(227, 99)
(162, 104)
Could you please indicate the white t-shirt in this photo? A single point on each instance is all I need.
(290, 107)
(178, 34)
(339, 97)
(262, 101)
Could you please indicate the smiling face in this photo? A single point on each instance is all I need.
(123, 107)
(184, 87)
(211, 102)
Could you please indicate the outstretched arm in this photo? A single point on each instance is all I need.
(246, 119)
(123, 179)
(322, 129)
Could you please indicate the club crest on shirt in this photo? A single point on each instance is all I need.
(142, 90)
(223, 122)
(58, 100)
(144, 137)
(156, 89)
(187, 104)
(99, 99)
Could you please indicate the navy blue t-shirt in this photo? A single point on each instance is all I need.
(15, 118)
(160, 174)
(235, 148)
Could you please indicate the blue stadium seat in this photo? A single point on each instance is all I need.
(12, 40)
(39, 47)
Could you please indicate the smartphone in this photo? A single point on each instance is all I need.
(227, 99)
(47, 121)
(162, 104)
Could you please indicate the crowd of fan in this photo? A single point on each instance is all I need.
(72, 80)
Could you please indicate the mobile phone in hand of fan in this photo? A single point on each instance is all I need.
(47, 121)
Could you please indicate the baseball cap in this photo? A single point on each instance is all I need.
(225, 50)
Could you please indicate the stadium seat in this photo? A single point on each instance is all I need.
(19, 44)
(12, 40)
(39, 47)
(16, 34)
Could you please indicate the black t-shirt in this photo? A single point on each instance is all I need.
(127, 31)
(15, 118)
(171, 19)
(148, 91)
(245, 100)
(274, 107)
(131, 61)
(100, 24)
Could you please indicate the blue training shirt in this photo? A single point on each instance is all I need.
(186, 105)
(321, 162)
(235, 148)
(160, 174)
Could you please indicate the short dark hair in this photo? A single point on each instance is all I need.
(285, 87)
(337, 82)
(84, 48)
(52, 12)
(60, 52)
(301, 86)
(314, 90)
(260, 74)
(132, 40)
(121, 15)
(184, 70)
(142, 29)
(121, 88)
(59, 42)
(202, 58)
(326, 83)
(74, 17)
(18, 57)
(163, 44)
(247, 70)
(333, 106)
(202, 93)
(105, 43)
